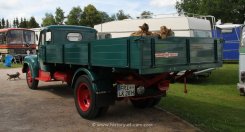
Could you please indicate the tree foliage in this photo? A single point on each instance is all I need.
(91, 16)
(23, 23)
(74, 16)
(7, 24)
(32, 23)
(48, 20)
(146, 14)
(120, 15)
(59, 16)
(106, 17)
(226, 10)
(3, 22)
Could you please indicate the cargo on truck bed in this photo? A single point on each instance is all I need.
(103, 71)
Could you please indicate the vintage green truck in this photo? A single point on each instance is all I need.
(104, 71)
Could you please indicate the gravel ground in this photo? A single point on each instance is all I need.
(52, 109)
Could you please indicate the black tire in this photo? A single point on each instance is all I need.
(31, 82)
(84, 96)
(146, 103)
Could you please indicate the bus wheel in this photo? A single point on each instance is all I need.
(85, 98)
(31, 82)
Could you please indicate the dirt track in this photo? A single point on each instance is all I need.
(52, 109)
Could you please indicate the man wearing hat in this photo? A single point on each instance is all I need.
(143, 32)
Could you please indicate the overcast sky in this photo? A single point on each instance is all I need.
(10, 9)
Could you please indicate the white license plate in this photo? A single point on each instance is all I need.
(125, 90)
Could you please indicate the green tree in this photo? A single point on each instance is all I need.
(3, 23)
(7, 23)
(59, 16)
(91, 16)
(113, 17)
(74, 16)
(48, 20)
(226, 10)
(0, 25)
(146, 14)
(106, 17)
(14, 23)
(23, 23)
(17, 22)
(120, 15)
(33, 23)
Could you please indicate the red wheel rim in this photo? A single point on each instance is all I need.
(29, 76)
(83, 96)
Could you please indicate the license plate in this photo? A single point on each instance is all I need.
(125, 90)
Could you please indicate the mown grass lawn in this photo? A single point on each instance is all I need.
(12, 66)
(212, 104)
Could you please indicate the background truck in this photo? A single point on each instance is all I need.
(103, 71)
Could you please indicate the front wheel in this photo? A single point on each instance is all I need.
(31, 82)
(85, 99)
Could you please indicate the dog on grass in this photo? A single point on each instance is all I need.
(13, 76)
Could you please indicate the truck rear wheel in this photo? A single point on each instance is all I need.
(31, 82)
(144, 103)
(85, 99)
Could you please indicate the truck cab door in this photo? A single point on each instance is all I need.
(44, 36)
(41, 47)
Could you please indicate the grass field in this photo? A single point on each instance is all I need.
(212, 104)
(13, 65)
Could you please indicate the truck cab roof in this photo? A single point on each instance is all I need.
(69, 27)
(59, 34)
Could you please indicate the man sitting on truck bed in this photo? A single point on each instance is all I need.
(143, 32)
(163, 33)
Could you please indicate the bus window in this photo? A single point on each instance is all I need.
(14, 37)
(2, 38)
(29, 37)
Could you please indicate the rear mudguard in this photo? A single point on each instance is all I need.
(101, 86)
(31, 61)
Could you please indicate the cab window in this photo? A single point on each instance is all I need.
(74, 36)
(48, 36)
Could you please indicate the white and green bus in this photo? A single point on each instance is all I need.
(241, 84)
